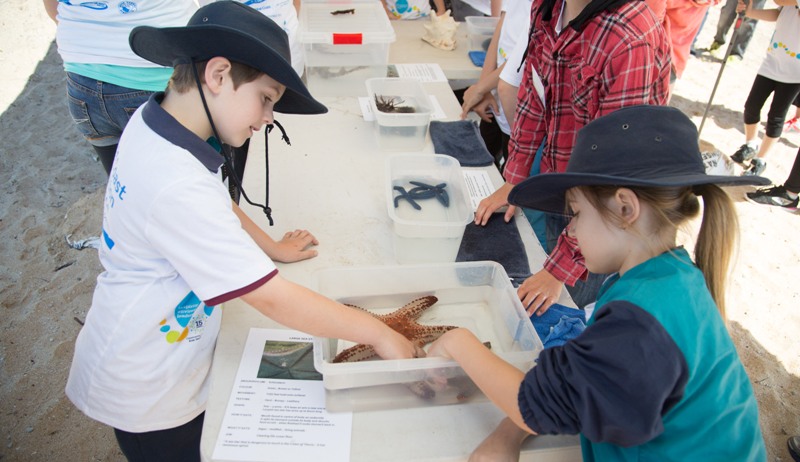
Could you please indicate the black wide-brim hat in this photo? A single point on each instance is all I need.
(653, 146)
(234, 31)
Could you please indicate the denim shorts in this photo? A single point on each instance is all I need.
(101, 110)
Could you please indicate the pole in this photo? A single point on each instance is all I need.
(737, 25)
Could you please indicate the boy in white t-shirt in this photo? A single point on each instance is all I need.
(175, 246)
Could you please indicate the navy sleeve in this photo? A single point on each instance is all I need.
(613, 383)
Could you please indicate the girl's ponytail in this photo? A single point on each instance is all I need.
(719, 232)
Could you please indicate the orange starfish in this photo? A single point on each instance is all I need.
(404, 321)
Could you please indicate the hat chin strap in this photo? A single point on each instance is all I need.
(228, 166)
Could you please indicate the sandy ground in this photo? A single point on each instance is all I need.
(51, 188)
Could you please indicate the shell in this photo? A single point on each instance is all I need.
(441, 31)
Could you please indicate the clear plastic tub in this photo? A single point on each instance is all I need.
(480, 30)
(474, 295)
(433, 233)
(342, 50)
(399, 131)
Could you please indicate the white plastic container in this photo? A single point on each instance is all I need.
(343, 50)
(433, 233)
(480, 30)
(397, 131)
(474, 295)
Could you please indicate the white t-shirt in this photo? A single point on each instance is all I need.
(409, 9)
(172, 250)
(97, 32)
(782, 62)
(513, 35)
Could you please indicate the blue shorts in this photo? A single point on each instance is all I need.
(101, 110)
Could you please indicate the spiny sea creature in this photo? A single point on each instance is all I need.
(404, 321)
(392, 104)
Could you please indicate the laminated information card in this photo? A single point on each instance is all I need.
(276, 410)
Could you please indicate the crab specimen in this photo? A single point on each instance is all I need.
(392, 104)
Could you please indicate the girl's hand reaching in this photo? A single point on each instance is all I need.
(393, 345)
(539, 292)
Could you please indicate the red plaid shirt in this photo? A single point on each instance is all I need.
(621, 58)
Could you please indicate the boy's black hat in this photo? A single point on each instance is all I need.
(234, 31)
(644, 145)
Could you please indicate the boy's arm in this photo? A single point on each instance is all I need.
(294, 246)
(299, 308)
(51, 7)
(438, 5)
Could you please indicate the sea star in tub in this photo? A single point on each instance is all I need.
(404, 321)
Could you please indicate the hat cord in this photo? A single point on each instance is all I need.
(226, 155)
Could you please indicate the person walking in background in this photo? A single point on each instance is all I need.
(625, 61)
(106, 81)
(779, 76)
(655, 374)
(783, 196)
(727, 16)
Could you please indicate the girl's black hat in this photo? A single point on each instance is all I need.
(644, 145)
(234, 31)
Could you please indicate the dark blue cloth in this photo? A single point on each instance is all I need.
(559, 324)
(496, 241)
(460, 139)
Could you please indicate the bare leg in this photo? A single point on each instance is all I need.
(750, 132)
(766, 145)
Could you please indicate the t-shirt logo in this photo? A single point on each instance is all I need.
(190, 319)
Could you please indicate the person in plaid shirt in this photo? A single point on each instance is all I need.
(588, 58)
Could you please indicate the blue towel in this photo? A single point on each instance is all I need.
(497, 241)
(559, 324)
(460, 139)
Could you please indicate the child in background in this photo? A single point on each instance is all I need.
(655, 375)
(175, 246)
(779, 76)
(482, 97)
(412, 9)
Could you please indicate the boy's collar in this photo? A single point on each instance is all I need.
(162, 123)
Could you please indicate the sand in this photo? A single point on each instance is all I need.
(52, 188)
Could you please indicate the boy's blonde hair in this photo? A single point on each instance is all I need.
(182, 79)
(673, 208)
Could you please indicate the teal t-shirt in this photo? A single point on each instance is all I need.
(137, 78)
(717, 418)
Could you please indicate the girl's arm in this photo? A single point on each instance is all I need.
(294, 246)
(497, 379)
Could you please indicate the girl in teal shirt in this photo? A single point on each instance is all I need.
(655, 375)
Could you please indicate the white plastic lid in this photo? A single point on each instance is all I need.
(367, 24)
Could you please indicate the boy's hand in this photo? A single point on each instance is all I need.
(294, 246)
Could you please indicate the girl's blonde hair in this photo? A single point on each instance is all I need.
(674, 207)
